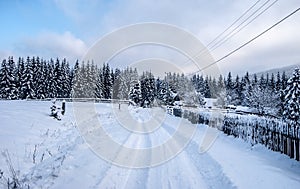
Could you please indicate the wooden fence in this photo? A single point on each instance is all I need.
(275, 134)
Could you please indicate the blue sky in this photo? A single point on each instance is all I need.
(68, 28)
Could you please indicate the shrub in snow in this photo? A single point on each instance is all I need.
(55, 110)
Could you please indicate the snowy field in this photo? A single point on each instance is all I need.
(42, 152)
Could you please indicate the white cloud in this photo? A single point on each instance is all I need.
(206, 19)
(51, 45)
(203, 18)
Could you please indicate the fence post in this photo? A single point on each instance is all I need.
(284, 145)
(297, 149)
(292, 148)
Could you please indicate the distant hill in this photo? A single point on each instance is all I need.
(287, 69)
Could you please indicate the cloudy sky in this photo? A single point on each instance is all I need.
(69, 28)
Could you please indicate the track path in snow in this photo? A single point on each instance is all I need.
(189, 169)
(63, 158)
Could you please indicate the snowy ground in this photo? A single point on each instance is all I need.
(46, 153)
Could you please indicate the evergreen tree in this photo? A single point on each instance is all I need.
(99, 84)
(107, 82)
(278, 83)
(89, 77)
(124, 88)
(213, 87)
(135, 92)
(262, 82)
(117, 84)
(201, 87)
(58, 79)
(27, 88)
(255, 80)
(247, 90)
(163, 92)
(41, 90)
(65, 79)
(292, 99)
(284, 80)
(229, 88)
(272, 83)
(76, 81)
(8, 88)
(20, 73)
(220, 85)
(147, 89)
(51, 82)
(207, 92)
(235, 95)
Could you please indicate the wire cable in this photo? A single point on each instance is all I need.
(203, 50)
(233, 34)
(215, 39)
(248, 42)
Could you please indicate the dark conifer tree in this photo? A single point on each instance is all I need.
(27, 88)
(107, 82)
(52, 83)
(8, 88)
(147, 90)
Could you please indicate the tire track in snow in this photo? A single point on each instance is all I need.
(120, 177)
(175, 173)
(210, 170)
(138, 177)
(189, 169)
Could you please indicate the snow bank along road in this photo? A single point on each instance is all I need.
(46, 153)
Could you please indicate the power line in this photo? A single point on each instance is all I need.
(215, 39)
(248, 42)
(233, 34)
(237, 27)
(236, 21)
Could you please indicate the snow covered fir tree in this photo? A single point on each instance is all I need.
(291, 102)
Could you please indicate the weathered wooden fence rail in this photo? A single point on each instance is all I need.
(273, 133)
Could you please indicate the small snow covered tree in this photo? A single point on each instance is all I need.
(135, 92)
(55, 110)
(200, 98)
(147, 90)
(163, 92)
(292, 99)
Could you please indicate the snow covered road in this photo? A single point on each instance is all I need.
(47, 153)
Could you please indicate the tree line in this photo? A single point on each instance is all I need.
(265, 93)
(36, 78)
